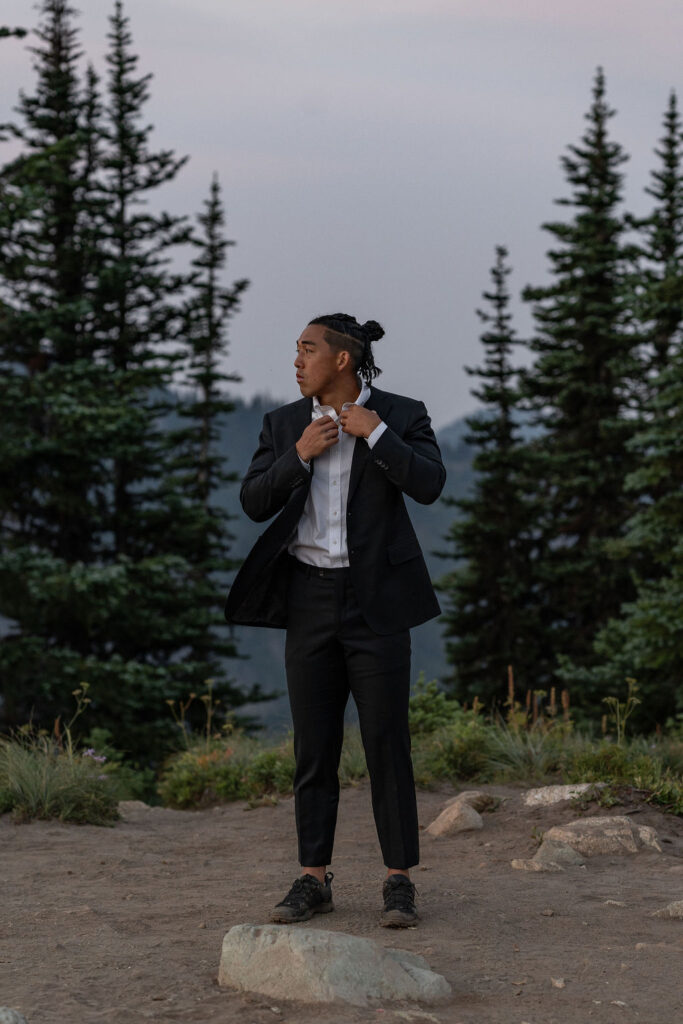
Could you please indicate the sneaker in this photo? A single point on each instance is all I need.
(307, 897)
(399, 911)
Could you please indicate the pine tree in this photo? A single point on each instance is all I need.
(51, 483)
(491, 621)
(200, 529)
(645, 642)
(661, 302)
(90, 334)
(580, 389)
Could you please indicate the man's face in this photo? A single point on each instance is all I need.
(317, 365)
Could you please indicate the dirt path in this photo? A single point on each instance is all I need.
(125, 924)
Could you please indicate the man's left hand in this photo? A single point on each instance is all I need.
(359, 421)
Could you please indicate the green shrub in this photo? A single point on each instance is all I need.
(430, 709)
(518, 754)
(453, 752)
(270, 772)
(40, 779)
(204, 775)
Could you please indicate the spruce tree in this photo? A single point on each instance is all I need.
(580, 390)
(52, 485)
(90, 334)
(200, 481)
(491, 621)
(645, 641)
(661, 275)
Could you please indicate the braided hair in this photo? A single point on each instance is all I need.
(362, 334)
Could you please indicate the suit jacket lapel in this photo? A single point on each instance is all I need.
(361, 452)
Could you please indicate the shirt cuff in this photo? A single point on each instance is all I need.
(374, 437)
(306, 465)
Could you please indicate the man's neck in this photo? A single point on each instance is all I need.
(347, 391)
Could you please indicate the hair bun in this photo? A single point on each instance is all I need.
(373, 330)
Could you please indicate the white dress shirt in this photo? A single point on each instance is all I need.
(321, 535)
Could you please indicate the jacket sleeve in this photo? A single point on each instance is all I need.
(412, 462)
(270, 480)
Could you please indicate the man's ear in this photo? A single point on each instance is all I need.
(343, 358)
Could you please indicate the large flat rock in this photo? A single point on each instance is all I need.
(316, 966)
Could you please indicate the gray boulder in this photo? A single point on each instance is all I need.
(550, 856)
(594, 836)
(8, 1016)
(316, 966)
(674, 910)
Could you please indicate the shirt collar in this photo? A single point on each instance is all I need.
(327, 410)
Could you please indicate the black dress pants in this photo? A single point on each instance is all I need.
(331, 652)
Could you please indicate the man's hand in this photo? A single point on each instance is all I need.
(318, 436)
(359, 421)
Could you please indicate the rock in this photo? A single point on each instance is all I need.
(548, 795)
(557, 982)
(534, 865)
(552, 852)
(594, 836)
(316, 966)
(456, 817)
(8, 1016)
(475, 798)
(674, 910)
(125, 806)
(550, 856)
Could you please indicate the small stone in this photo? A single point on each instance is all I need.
(9, 1016)
(613, 903)
(551, 852)
(521, 864)
(546, 796)
(557, 982)
(547, 912)
(617, 1002)
(672, 910)
(457, 817)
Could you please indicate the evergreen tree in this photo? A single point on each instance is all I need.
(661, 278)
(580, 389)
(491, 621)
(645, 642)
(200, 524)
(89, 578)
(51, 485)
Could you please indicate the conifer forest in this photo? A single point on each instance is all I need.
(562, 567)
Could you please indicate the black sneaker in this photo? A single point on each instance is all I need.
(399, 911)
(307, 897)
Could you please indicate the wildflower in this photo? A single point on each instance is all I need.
(97, 758)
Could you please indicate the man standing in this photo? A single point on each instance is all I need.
(341, 569)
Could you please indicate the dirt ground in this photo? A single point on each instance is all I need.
(125, 924)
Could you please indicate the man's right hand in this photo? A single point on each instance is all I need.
(318, 436)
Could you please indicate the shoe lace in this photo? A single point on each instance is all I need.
(399, 895)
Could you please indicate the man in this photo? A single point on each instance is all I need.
(341, 569)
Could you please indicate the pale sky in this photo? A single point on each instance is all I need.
(372, 154)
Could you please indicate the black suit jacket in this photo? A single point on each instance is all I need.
(388, 571)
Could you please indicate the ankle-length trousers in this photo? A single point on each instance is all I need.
(330, 653)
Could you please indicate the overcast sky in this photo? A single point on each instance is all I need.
(373, 153)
